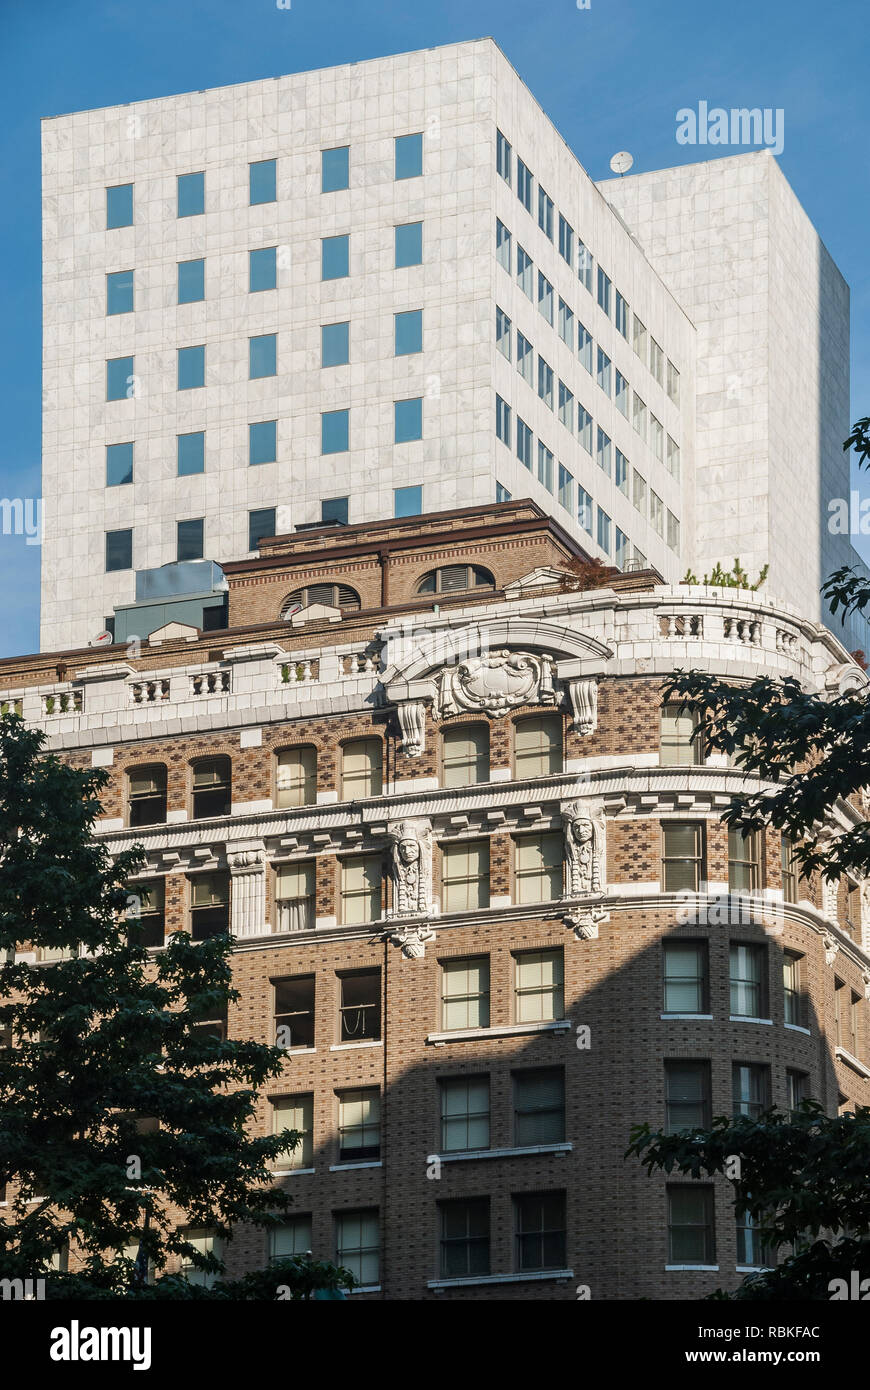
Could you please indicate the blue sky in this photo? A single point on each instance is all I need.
(611, 77)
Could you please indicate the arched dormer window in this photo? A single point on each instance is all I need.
(455, 579)
(330, 595)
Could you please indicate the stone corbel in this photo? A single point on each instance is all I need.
(585, 921)
(247, 865)
(412, 939)
(412, 723)
(583, 694)
(831, 948)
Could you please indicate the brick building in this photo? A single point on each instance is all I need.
(480, 891)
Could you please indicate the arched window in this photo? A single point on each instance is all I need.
(330, 595)
(455, 579)
(212, 792)
(361, 768)
(146, 795)
(296, 780)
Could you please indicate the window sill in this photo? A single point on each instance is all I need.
(748, 1018)
(299, 1051)
(526, 1149)
(753, 1269)
(290, 1172)
(692, 1269)
(511, 1030)
(850, 1060)
(345, 1167)
(707, 1017)
(365, 1288)
(343, 1047)
(537, 1275)
(798, 1028)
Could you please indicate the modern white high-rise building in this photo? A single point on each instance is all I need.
(389, 288)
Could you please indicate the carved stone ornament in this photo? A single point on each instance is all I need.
(495, 683)
(583, 694)
(584, 923)
(831, 948)
(247, 861)
(412, 940)
(412, 722)
(585, 845)
(412, 867)
(830, 892)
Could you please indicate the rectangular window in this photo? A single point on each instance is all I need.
(119, 464)
(503, 157)
(584, 428)
(621, 394)
(682, 856)
(190, 194)
(119, 550)
(409, 156)
(620, 315)
(294, 1012)
(524, 443)
(465, 993)
(501, 493)
(691, 1233)
(545, 466)
(295, 904)
(545, 382)
(334, 509)
(604, 530)
(656, 360)
(545, 298)
(465, 875)
(545, 213)
(538, 867)
(296, 781)
(673, 533)
(638, 416)
(334, 344)
(206, 1242)
(744, 861)
(359, 1125)
(585, 266)
(262, 269)
(209, 906)
(262, 356)
(291, 1238)
(407, 420)
(620, 548)
(191, 368)
(603, 373)
(334, 169)
(673, 383)
(566, 406)
(748, 980)
(789, 870)
(750, 1087)
(686, 977)
(602, 451)
(604, 291)
(621, 472)
(190, 453)
(539, 981)
(503, 246)
(211, 789)
(464, 1237)
(503, 421)
(794, 997)
(361, 768)
(465, 755)
(524, 185)
(566, 324)
(360, 1006)
(672, 458)
(566, 489)
(262, 181)
(150, 928)
(464, 1113)
(584, 346)
(540, 1222)
(334, 257)
(120, 381)
(656, 438)
(638, 492)
(119, 205)
(334, 431)
(262, 441)
(357, 1241)
(525, 272)
(189, 539)
(539, 1105)
(537, 746)
(408, 244)
(119, 292)
(638, 339)
(566, 240)
(408, 501)
(503, 333)
(294, 1113)
(656, 513)
(687, 1095)
(525, 358)
(640, 560)
(752, 1251)
(408, 332)
(584, 509)
(191, 281)
(679, 744)
(260, 523)
(797, 1090)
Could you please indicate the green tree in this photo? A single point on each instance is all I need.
(735, 578)
(114, 1103)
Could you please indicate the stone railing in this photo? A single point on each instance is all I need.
(744, 630)
(209, 683)
(300, 672)
(63, 702)
(681, 625)
(361, 664)
(11, 706)
(149, 692)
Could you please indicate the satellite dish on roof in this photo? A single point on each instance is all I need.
(621, 162)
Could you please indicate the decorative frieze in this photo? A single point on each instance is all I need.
(495, 683)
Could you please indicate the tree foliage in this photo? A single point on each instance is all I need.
(735, 578)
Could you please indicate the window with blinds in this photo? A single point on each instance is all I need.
(359, 1126)
(465, 755)
(539, 1106)
(679, 744)
(464, 1113)
(294, 896)
(361, 768)
(358, 1245)
(464, 1237)
(294, 1113)
(148, 927)
(465, 875)
(361, 889)
(748, 980)
(687, 1095)
(685, 977)
(682, 856)
(539, 986)
(465, 993)
(211, 788)
(691, 1236)
(291, 1238)
(296, 776)
(538, 746)
(209, 905)
(538, 870)
(540, 1225)
(205, 1242)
